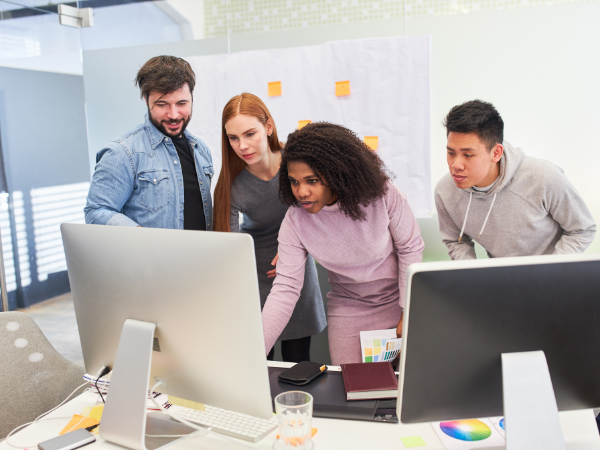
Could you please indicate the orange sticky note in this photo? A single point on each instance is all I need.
(368, 352)
(274, 88)
(372, 142)
(95, 412)
(342, 88)
(78, 422)
(303, 123)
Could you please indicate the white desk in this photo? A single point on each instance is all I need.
(579, 428)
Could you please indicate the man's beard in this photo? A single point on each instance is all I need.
(164, 129)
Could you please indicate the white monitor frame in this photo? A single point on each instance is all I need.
(198, 289)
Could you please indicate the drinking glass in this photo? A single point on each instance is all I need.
(294, 417)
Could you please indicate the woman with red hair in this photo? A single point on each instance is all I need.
(249, 184)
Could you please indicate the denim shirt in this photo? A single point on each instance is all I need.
(138, 181)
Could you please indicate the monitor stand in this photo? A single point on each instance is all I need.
(530, 411)
(125, 420)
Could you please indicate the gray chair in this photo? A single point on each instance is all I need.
(34, 377)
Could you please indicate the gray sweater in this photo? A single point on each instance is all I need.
(258, 201)
(533, 210)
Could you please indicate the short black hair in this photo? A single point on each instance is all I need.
(477, 117)
(343, 162)
(164, 74)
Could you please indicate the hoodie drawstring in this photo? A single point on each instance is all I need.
(466, 215)
(488, 215)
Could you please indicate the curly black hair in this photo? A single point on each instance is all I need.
(341, 160)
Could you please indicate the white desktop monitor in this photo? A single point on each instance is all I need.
(461, 316)
(199, 288)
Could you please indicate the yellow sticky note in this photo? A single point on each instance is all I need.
(186, 403)
(372, 142)
(413, 441)
(78, 422)
(378, 350)
(303, 123)
(95, 412)
(368, 351)
(274, 88)
(342, 88)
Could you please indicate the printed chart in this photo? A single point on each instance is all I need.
(379, 345)
(468, 434)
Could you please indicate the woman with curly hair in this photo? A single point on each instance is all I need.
(249, 183)
(345, 212)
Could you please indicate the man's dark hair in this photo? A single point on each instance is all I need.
(477, 117)
(164, 74)
(341, 160)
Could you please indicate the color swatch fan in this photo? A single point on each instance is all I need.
(379, 345)
(468, 434)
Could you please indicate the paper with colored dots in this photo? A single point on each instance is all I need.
(274, 88)
(336, 82)
(380, 345)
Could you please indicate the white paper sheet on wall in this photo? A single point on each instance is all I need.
(389, 98)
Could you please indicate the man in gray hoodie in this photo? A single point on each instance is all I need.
(511, 204)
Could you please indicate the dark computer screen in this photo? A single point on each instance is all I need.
(461, 321)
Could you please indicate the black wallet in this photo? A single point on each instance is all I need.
(302, 373)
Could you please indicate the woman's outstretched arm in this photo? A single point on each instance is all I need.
(406, 236)
(288, 283)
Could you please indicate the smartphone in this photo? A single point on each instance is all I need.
(69, 441)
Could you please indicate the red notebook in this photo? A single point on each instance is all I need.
(369, 381)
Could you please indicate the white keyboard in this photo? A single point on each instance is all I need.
(227, 422)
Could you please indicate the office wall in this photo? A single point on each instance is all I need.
(44, 144)
(539, 67)
(535, 64)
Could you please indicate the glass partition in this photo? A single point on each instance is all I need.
(43, 145)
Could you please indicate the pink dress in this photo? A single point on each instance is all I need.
(366, 260)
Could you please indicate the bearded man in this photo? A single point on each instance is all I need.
(158, 175)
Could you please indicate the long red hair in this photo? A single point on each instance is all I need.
(232, 164)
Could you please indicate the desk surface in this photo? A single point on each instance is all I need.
(579, 428)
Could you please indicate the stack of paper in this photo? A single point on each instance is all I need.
(161, 399)
(380, 345)
(104, 384)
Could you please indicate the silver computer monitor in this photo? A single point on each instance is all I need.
(201, 291)
(462, 315)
